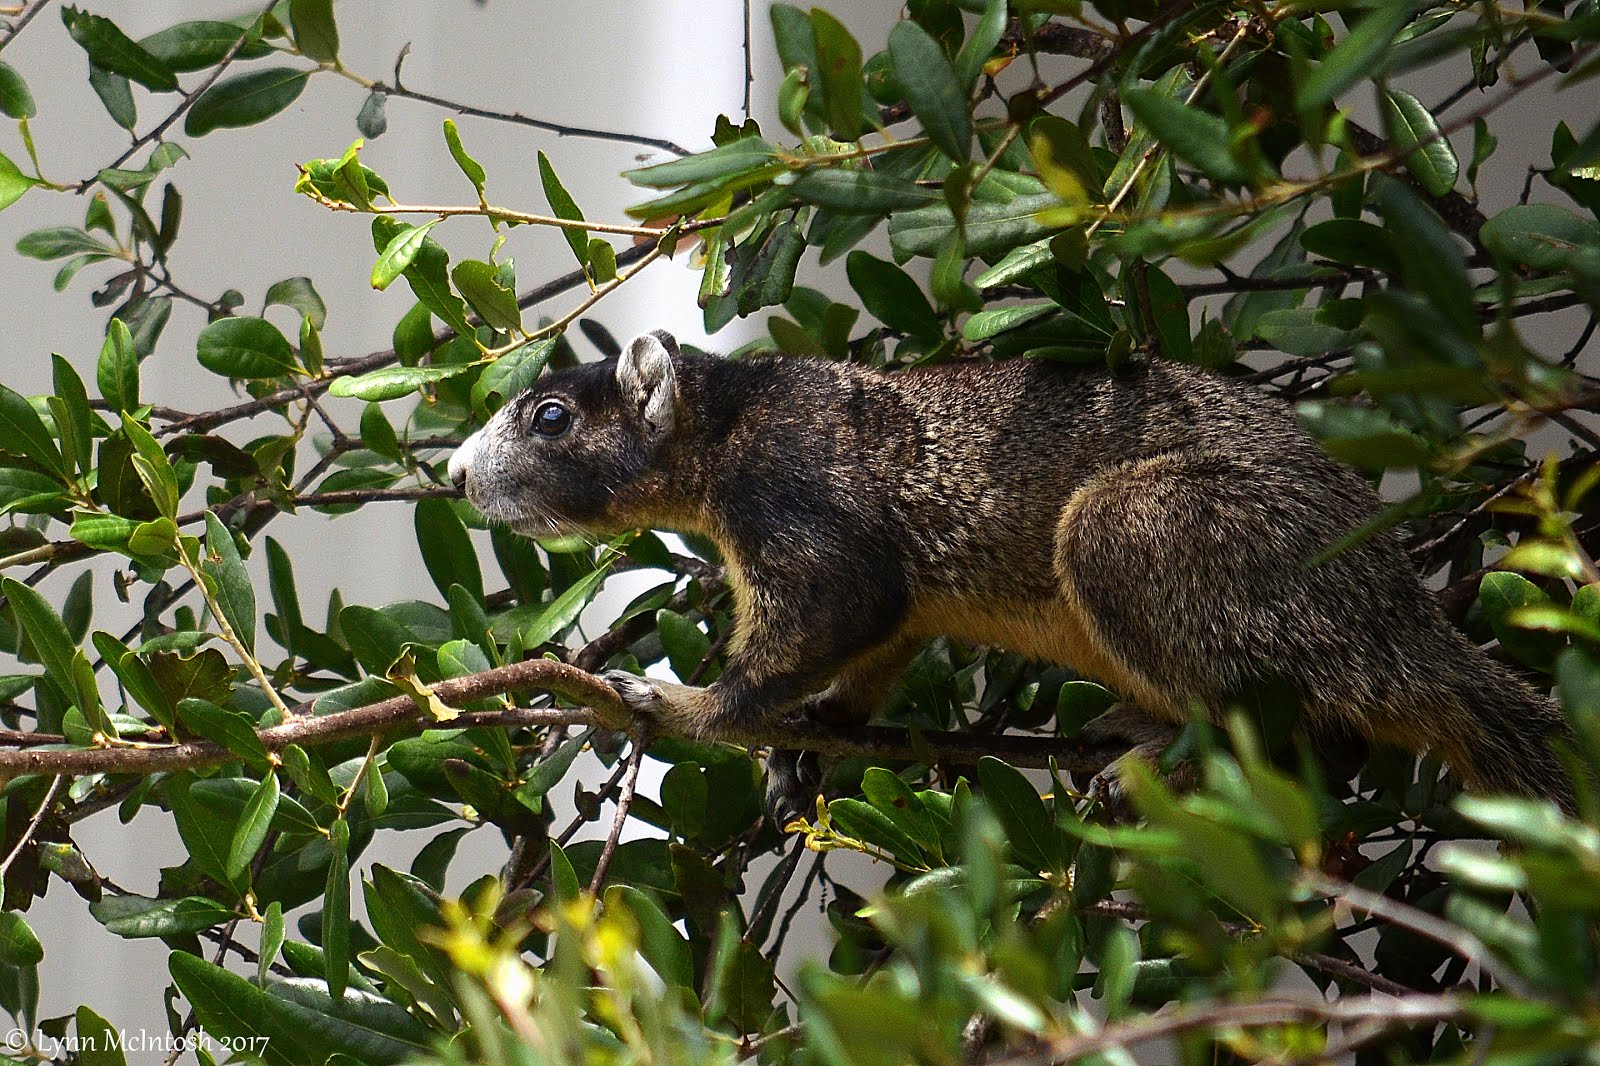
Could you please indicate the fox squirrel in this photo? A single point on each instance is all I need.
(1152, 530)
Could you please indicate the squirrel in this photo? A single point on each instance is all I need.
(1156, 529)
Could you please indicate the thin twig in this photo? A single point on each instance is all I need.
(513, 117)
(183, 105)
(211, 419)
(21, 20)
(1456, 939)
(794, 908)
(630, 782)
(31, 828)
(1384, 1011)
(749, 68)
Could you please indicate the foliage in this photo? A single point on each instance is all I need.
(1198, 187)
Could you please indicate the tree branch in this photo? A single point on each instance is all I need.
(188, 100)
(211, 419)
(514, 117)
(602, 710)
(1383, 1011)
(20, 22)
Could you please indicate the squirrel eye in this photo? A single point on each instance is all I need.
(551, 419)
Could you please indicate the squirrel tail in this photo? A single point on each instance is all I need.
(1512, 729)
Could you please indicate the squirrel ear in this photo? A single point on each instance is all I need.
(648, 380)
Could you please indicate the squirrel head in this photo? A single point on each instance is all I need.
(571, 452)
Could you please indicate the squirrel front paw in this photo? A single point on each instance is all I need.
(636, 692)
(638, 695)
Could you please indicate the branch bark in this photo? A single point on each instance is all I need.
(600, 709)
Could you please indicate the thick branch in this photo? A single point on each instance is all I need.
(1458, 213)
(401, 714)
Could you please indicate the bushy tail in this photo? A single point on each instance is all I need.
(1514, 729)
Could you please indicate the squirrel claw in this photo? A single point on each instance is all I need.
(638, 695)
(793, 780)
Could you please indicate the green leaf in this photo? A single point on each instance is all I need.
(562, 205)
(15, 99)
(138, 680)
(891, 296)
(1192, 134)
(1415, 136)
(1354, 58)
(13, 183)
(886, 791)
(301, 295)
(116, 96)
(860, 191)
(336, 909)
(872, 826)
(740, 985)
(154, 469)
(291, 1024)
(1062, 156)
(1432, 263)
(562, 611)
(315, 32)
(232, 729)
(992, 229)
(1016, 803)
(117, 371)
(469, 166)
(986, 324)
(272, 937)
(447, 550)
(234, 591)
(511, 373)
(244, 100)
(393, 381)
(57, 242)
(111, 49)
(245, 348)
(51, 641)
(190, 46)
(23, 431)
(932, 88)
(1502, 594)
(838, 75)
(99, 1044)
(1369, 438)
(18, 944)
(1352, 241)
(495, 304)
(135, 917)
(1541, 236)
(978, 47)
(1483, 145)
(746, 155)
(662, 946)
(253, 826)
(399, 254)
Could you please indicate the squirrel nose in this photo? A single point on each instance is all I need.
(461, 460)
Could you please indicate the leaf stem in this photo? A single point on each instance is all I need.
(228, 634)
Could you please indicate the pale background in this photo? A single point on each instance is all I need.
(663, 69)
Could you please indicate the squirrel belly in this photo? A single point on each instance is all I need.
(1160, 531)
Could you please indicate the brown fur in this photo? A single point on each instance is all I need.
(1154, 531)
